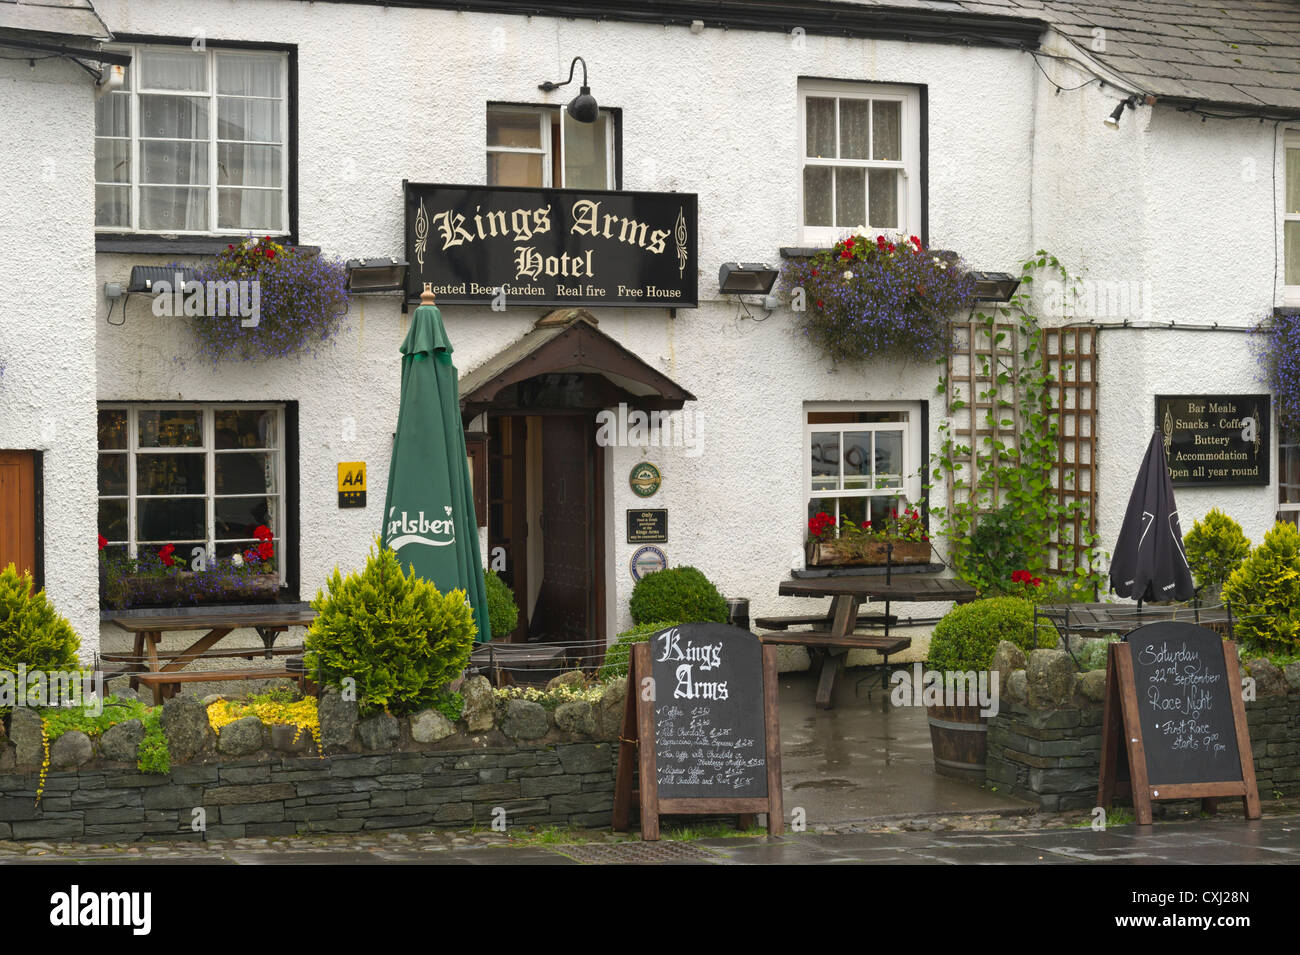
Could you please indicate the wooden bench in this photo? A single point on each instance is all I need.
(165, 683)
(823, 639)
(169, 656)
(500, 659)
(814, 620)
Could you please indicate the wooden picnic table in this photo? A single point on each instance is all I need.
(847, 594)
(148, 659)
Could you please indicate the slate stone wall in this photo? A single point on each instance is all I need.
(277, 795)
(1053, 757)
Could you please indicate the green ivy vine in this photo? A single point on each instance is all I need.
(1007, 516)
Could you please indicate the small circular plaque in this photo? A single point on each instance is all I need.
(647, 560)
(645, 479)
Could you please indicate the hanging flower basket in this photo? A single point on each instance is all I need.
(878, 297)
(295, 307)
(1277, 345)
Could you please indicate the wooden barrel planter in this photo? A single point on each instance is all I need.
(959, 737)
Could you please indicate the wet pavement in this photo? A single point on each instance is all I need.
(1273, 840)
(863, 759)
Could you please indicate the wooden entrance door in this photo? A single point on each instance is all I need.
(18, 512)
(566, 605)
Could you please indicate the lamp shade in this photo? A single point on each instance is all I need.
(583, 107)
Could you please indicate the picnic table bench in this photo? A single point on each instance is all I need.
(824, 619)
(847, 595)
(164, 670)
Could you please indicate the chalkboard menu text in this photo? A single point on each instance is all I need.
(1174, 716)
(1215, 439)
(700, 728)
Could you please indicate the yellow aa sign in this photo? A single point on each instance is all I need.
(352, 484)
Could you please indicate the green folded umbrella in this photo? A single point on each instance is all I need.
(429, 509)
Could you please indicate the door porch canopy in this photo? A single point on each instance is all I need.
(566, 363)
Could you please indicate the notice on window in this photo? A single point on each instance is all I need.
(1215, 439)
(504, 246)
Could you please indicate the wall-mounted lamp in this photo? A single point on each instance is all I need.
(583, 106)
(1118, 112)
(746, 278)
(995, 286)
(376, 275)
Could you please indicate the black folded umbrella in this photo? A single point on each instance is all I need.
(1149, 562)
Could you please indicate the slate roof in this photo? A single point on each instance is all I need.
(1243, 53)
(66, 17)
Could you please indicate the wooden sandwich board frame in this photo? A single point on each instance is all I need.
(637, 742)
(1122, 745)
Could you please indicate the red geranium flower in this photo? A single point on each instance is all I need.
(263, 533)
(270, 253)
(265, 550)
(819, 303)
(814, 272)
(165, 554)
(846, 254)
(102, 542)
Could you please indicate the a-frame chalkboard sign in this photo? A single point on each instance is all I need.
(700, 729)
(1174, 723)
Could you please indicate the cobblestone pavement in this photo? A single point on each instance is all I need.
(991, 838)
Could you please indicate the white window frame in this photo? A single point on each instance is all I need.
(1287, 510)
(1290, 293)
(911, 428)
(546, 117)
(134, 91)
(209, 450)
(909, 203)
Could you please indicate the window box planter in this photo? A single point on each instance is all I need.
(187, 588)
(877, 554)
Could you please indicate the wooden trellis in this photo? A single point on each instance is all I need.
(983, 377)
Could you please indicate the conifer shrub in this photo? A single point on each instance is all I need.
(1215, 547)
(677, 593)
(503, 612)
(397, 637)
(32, 632)
(1264, 593)
(968, 635)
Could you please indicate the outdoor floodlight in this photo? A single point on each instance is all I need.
(1113, 119)
(376, 275)
(583, 106)
(995, 286)
(144, 277)
(746, 278)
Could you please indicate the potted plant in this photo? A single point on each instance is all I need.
(963, 643)
(1215, 547)
(879, 297)
(160, 579)
(898, 539)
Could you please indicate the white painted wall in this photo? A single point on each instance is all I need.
(387, 94)
(47, 313)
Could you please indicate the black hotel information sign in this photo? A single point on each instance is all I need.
(648, 526)
(510, 246)
(1215, 439)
